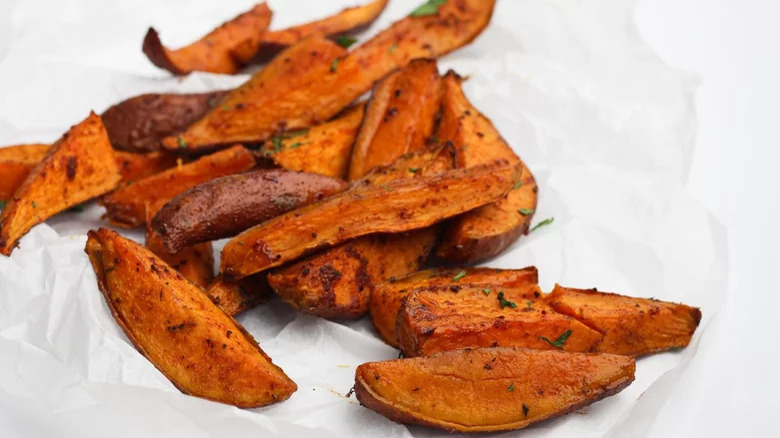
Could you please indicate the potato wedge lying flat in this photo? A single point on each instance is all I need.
(233, 297)
(16, 162)
(226, 206)
(488, 390)
(487, 231)
(631, 326)
(128, 205)
(395, 207)
(431, 321)
(78, 167)
(195, 263)
(386, 298)
(199, 348)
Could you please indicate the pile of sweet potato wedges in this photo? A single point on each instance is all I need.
(337, 206)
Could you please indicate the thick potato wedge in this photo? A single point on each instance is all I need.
(200, 349)
(395, 207)
(489, 389)
(128, 205)
(487, 231)
(195, 263)
(318, 91)
(139, 123)
(233, 297)
(430, 321)
(324, 149)
(400, 117)
(386, 298)
(221, 51)
(78, 167)
(631, 326)
(15, 164)
(226, 206)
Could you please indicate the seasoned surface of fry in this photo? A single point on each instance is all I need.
(492, 389)
(631, 326)
(127, 206)
(15, 163)
(199, 348)
(134, 167)
(233, 297)
(395, 207)
(78, 167)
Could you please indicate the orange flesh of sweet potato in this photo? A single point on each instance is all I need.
(489, 230)
(195, 263)
(631, 326)
(395, 207)
(320, 90)
(491, 389)
(431, 321)
(233, 297)
(221, 51)
(15, 164)
(134, 167)
(386, 298)
(200, 349)
(128, 205)
(78, 167)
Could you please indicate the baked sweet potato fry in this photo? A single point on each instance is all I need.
(430, 321)
(128, 205)
(489, 230)
(631, 326)
(139, 123)
(15, 164)
(386, 298)
(134, 167)
(221, 51)
(195, 263)
(233, 297)
(490, 389)
(226, 206)
(395, 207)
(318, 91)
(200, 349)
(78, 167)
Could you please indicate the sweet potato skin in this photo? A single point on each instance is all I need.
(631, 326)
(139, 123)
(395, 207)
(485, 232)
(195, 263)
(200, 349)
(386, 298)
(225, 206)
(15, 164)
(234, 297)
(488, 390)
(128, 205)
(78, 167)
(434, 320)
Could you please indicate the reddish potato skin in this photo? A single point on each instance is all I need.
(489, 389)
(195, 263)
(237, 296)
(226, 206)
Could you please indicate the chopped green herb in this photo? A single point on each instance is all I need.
(276, 142)
(518, 184)
(486, 291)
(2, 203)
(414, 169)
(511, 387)
(431, 7)
(504, 302)
(345, 41)
(386, 187)
(526, 211)
(558, 343)
(34, 204)
(296, 133)
(182, 143)
(334, 65)
(525, 410)
(460, 275)
(529, 303)
(225, 107)
(76, 208)
(392, 48)
(297, 144)
(547, 221)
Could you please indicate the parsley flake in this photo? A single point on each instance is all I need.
(345, 41)
(431, 7)
(518, 184)
(547, 221)
(486, 291)
(511, 387)
(392, 48)
(414, 169)
(182, 143)
(34, 204)
(526, 211)
(460, 275)
(334, 65)
(297, 144)
(225, 107)
(2, 203)
(504, 302)
(558, 343)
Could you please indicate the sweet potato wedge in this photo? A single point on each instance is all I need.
(195, 263)
(226, 206)
(233, 297)
(128, 205)
(221, 51)
(430, 321)
(485, 232)
(134, 167)
(489, 389)
(318, 91)
(200, 349)
(386, 298)
(395, 207)
(631, 326)
(15, 164)
(139, 123)
(78, 167)
(400, 117)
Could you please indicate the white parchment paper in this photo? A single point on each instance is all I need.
(606, 127)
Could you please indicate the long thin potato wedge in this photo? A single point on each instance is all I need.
(221, 51)
(386, 298)
(200, 349)
(226, 206)
(489, 230)
(78, 167)
(195, 263)
(128, 205)
(631, 326)
(490, 389)
(15, 164)
(326, 88)
(233, 297)
(139, 123)
(431, 321)
(395, 207)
